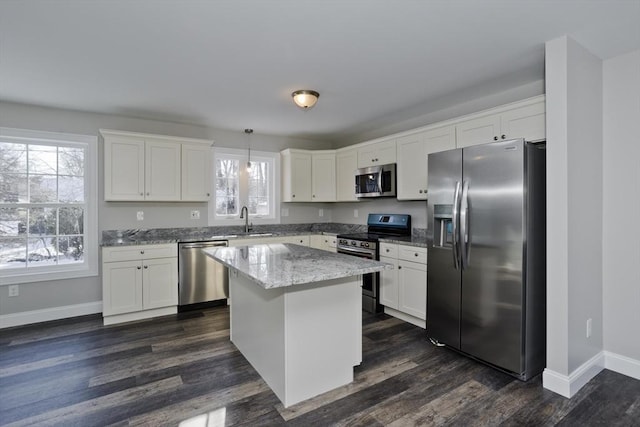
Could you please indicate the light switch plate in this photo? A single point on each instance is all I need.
(195, 214)
(14, 290)
(140, 215)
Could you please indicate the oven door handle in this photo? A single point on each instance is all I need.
(349, 251)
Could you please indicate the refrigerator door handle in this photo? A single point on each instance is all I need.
(454, 220)
(464, 226)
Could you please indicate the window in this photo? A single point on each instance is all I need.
(48, 206)
(236, 186)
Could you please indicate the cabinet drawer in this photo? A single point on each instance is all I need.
(389, 250)
(330, 241)
(128, 253)
(412, 253)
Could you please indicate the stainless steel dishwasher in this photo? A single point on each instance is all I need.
(201, 279)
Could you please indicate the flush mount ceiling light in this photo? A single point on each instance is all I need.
(305, 99)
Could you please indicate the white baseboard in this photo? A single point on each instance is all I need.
(568, 386)
(406, 317)
(139, 315)
(47, 314)
(622, 364)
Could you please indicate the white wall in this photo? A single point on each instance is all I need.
(574, 212)
(116, 215)
(621, 207)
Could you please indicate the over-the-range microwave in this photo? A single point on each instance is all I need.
(376, 181)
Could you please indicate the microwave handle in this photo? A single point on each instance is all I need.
(380, 180)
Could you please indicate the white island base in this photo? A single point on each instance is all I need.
(303, 340)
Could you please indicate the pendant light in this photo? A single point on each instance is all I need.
(249, 132)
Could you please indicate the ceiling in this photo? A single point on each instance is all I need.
(233, 64)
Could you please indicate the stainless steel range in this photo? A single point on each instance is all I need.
(365, 245)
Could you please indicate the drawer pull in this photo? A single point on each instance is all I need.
(416, 254)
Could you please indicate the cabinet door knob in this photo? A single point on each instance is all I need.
(293, 195)
(495, 138)
(416, 254)
(313, 195)
(420, 191)
(503, 136)
(387, 250)
(208, 194)
(139, 267)
(146, 266)
(147, 194)
(399, 267)
(142, 252)
(142, 194)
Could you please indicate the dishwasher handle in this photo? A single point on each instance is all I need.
(204, 245)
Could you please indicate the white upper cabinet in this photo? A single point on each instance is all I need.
(413, 151)
(123, 168)
(296, 175)
(346, 165)
(323, 176)
(162, 171)
(379, 153)
(526, 121)
(308, 176)
(196, 172)
(155, 168)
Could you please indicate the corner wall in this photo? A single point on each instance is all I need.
(621, 213)
(574, 216)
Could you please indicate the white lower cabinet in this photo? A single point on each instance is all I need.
(403, 290)
(139, 282)
(325, 242)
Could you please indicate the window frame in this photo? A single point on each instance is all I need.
(89, 267)
(243, 186)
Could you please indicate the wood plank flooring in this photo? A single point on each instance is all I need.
(181, 368)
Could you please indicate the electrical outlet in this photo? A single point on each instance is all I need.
(14, 290)
(589, 327)
(320, 212)
(195, 214)
(355, 213)
(140, 215)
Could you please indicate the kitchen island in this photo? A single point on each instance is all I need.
(296, 314)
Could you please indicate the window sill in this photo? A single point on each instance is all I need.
(6, 278)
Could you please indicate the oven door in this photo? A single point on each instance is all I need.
(369, 281)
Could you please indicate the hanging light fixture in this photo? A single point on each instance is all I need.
(305, 99)
(249, 132)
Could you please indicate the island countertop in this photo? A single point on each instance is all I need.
(283, 264)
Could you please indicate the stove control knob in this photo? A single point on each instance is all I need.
(353, 243)
(365, 244)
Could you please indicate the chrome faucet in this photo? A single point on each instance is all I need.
(247, 227)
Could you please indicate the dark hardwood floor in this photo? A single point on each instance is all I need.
(165, 371)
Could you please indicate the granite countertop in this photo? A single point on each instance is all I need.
(277, 265)
(417, 241)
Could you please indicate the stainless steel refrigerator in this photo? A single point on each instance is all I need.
(486, 274)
